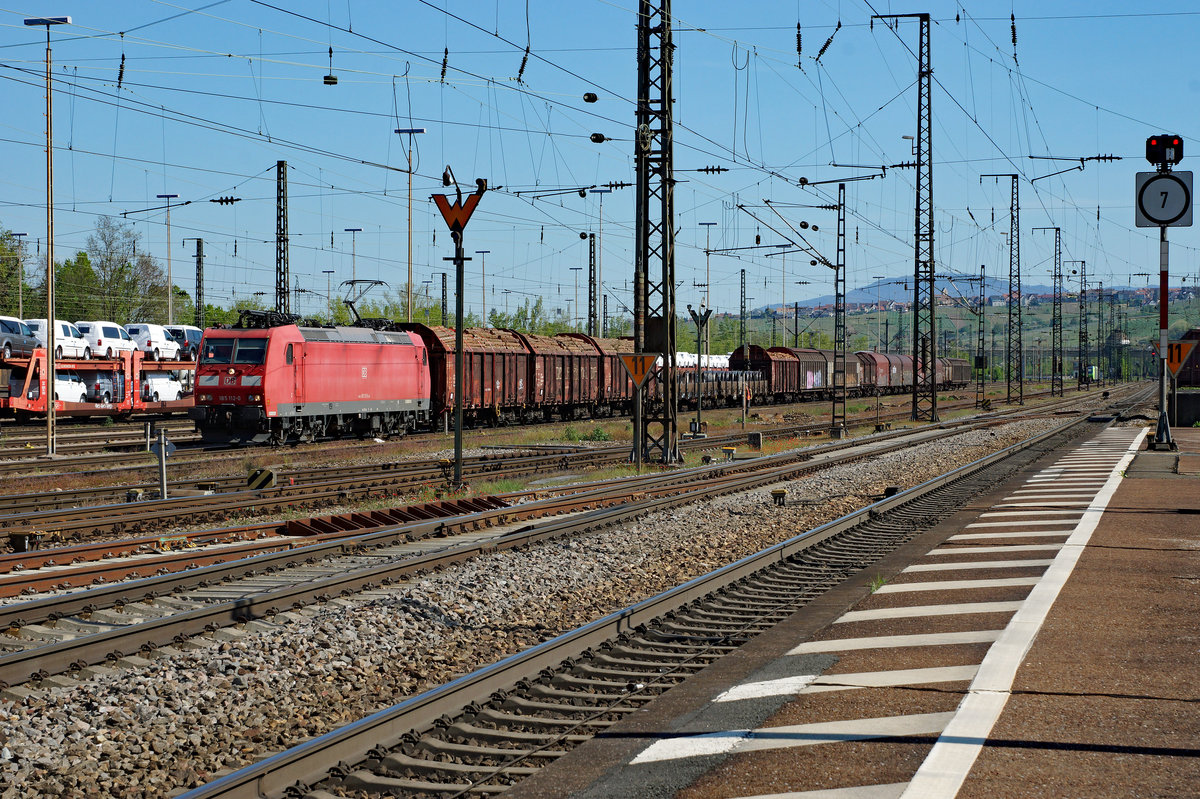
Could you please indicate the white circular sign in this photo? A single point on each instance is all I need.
(1164, 199)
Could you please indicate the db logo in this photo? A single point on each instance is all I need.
(364, 373)
(230, 381)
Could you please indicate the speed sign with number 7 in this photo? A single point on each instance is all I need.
(1163, 199)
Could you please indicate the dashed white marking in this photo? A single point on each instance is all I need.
(977, 564)
(890, 679)
(896, 641)
(785, 686)
(1020, 534)
(956, 609)
(1041, 503)
(1060, 512)
(1023, 523)
(945, 769)
(985, 550)
(957, 585)
(890, 790)
(726, 741)
(1057, 487)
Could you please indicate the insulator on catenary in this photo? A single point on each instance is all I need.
(524, 61)
(445, 62)
(121, 72)
(828, 41)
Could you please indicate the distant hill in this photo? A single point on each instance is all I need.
(900, 290)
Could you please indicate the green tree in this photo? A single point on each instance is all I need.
(13, 285)
(129, 284)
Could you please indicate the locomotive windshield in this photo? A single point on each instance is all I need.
(250, 350)
(235, 350)
(218, 350)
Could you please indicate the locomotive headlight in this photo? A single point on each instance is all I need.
(206, 397)
(255, 397)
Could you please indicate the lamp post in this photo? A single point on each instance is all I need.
(48, 395)
(879, 345)
(576, 270)
(328, 294)
(170, 291)
(701, 320)
(707, 278)
(353, 231)
(410, 132)
(20, 274)
(483, 285)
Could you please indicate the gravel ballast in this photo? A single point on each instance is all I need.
(187, 715)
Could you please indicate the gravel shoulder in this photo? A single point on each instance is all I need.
(189, 714)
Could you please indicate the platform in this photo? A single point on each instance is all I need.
(1041, 642)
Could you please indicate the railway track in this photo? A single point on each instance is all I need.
(489, 729)
(74, 517)
(100, 451)
(54, 634)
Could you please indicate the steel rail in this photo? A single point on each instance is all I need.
(53, 658)
(312, 760)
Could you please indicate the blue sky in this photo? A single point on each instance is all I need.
(214, 93)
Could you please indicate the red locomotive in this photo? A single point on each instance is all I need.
(269, 380)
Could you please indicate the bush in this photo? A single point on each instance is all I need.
(571, 434)
(599, 434)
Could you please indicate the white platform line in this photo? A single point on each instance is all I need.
(811, 683)
(1032, 522)
(728, 741)
(943, 772)
(957, 585)
(891, 790)
(896, 641)
(1061, 512)
(895, 678)
(1021, 534)
(955, 609)
(985, 550)
(1057, 490)
(1065, 481)
(977, 564)
(1042, 503)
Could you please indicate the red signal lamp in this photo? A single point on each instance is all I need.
(1164, 149)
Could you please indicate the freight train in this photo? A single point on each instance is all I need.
(268, 379)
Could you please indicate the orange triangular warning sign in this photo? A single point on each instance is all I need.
(456, 215)
(1177, 353)
(638, 366)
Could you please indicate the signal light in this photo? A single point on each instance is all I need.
(1164, 149)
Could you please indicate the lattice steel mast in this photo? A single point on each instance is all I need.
(593, 317)
(981, 343)
(1085, 345)
(200, 283)
(282, 303)
(924, 402)
(838, 414)
(1056, 329)
(656, 426)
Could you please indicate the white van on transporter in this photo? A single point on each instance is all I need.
(106, 338)
(154, 340)
(68, 341)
